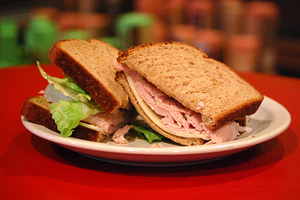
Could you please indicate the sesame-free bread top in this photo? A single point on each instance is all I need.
(185, 73)
(35, 109)
(89, 64)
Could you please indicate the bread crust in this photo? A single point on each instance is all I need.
(35, 109)
(100, 90)
(192, 78)
(121, 78)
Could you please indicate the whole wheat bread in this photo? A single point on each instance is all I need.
(185, 73)
(89, 64)
(35, 109)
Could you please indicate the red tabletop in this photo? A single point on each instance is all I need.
(33, 168)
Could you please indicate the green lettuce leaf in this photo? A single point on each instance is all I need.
(67, 87)
(71, 84)
(68, 114)
(150, 135)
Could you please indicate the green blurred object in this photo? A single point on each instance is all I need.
(40, 34)
(76, 34)
(10, 50)
(114, 41)
(126, 23)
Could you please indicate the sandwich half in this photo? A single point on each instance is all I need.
(184, 95)
(88, 103)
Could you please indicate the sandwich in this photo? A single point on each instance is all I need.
(88, 103)
(184, 95)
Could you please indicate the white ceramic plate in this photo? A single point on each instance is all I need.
(269, 121)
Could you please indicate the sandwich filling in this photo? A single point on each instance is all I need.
(172, 116)
(71, 106)
(106, 123)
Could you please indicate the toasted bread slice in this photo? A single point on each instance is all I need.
(201, 84)
(35, 109)
(89, 64)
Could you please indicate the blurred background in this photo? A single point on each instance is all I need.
(261, 36)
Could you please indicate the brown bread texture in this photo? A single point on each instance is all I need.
(185, 73)
(121, 78)
(35, 109)
(89, 64)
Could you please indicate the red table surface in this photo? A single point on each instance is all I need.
(33, 168)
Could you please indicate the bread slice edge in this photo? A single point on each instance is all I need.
(99, 92)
